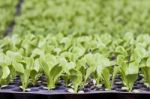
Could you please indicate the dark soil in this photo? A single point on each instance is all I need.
(41, 84)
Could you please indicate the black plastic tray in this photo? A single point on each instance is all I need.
(91, 95)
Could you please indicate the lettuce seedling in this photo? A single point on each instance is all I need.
(91, 65)
(131, 74)
(102, 70)
(76, 78)
(67, 66)
(127, 68)
(145, 67)
(4, 68)
(29, 43)
(24, 68)
(35, 72)
(99, 64)
(51, 69)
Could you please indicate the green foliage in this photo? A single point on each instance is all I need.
(85, 58)
(7, 11)
(80, 17)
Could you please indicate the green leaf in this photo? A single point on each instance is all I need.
(106, 78)
(66, 65)
(25, 79)
(4, 60)
(148, 62)
(18, 67)
(36, 53)
(121, 50)
(34, 77)
(89, 71)
(146, 73)
(121, 60)
(90, 59)
(44, 66)
(51, 60)
(56, 72)
(116, 71)
(106, 38)
(54, 75)
(131, 78)
(6, 72)
(14, 56)
(29, 62)
(140, 52)
(132, 74)
(133, 68)
(76, 78)
(36, 65)
(77, 52)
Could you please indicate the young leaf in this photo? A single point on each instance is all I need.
(18, 67)
(44, 66)
(132, 74)
(54, 74)
(6, 72)
(76, 78)
(106, 78)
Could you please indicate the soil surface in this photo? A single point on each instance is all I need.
(90, 87)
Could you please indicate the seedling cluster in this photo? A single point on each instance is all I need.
(75, 59)
(75, 42)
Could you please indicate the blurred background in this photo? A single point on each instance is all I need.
(115, 17)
